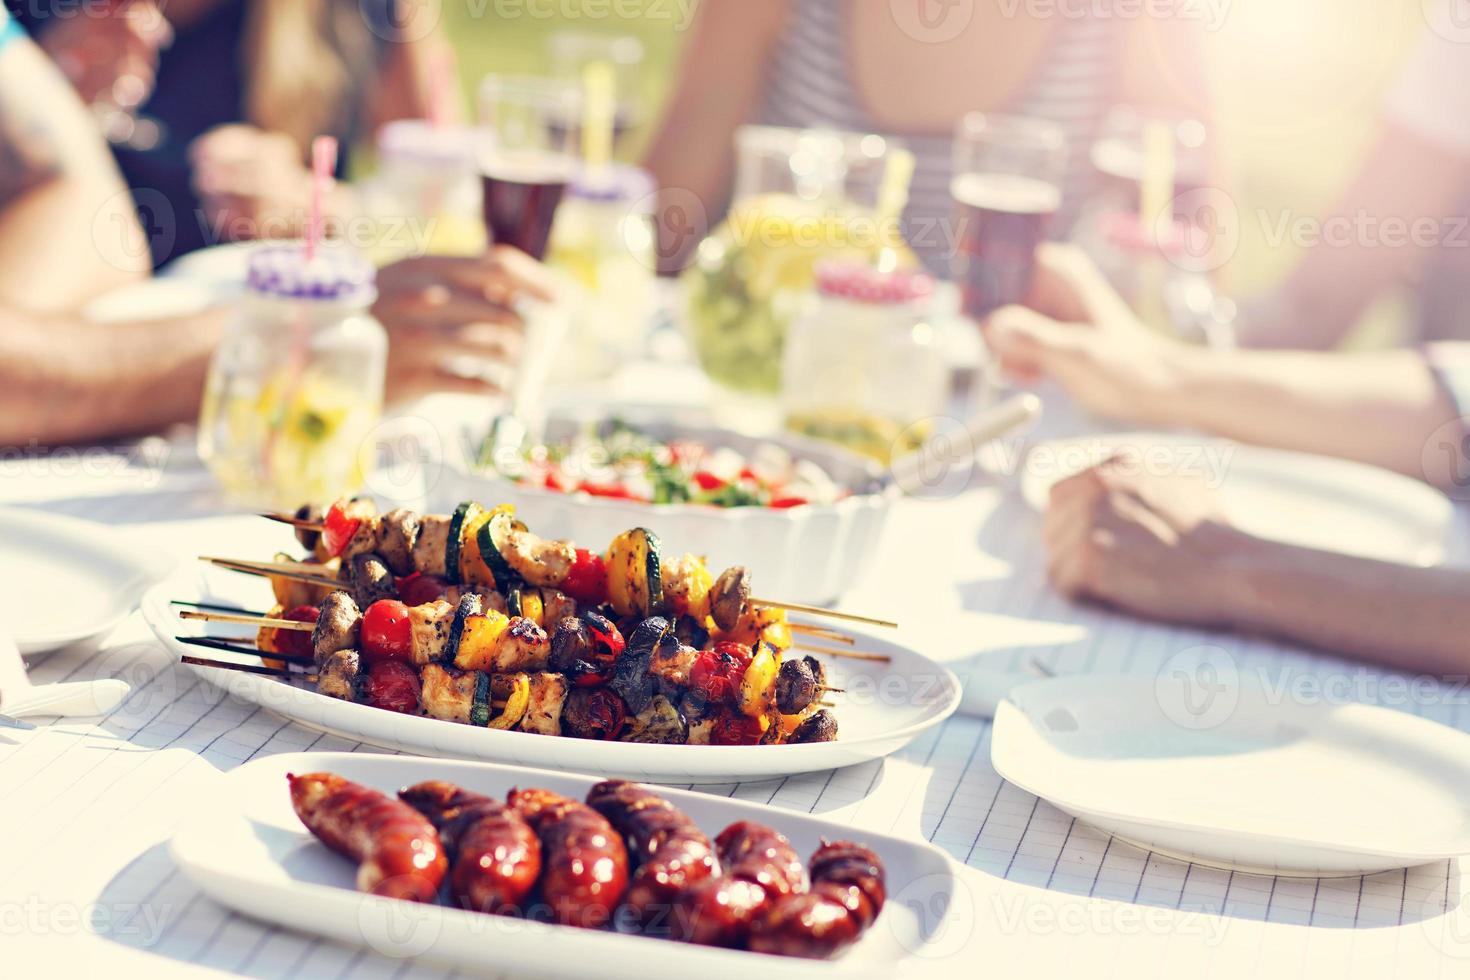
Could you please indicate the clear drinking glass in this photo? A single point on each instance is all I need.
(526, 159)
(1006, 186)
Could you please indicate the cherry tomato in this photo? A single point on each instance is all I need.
(391, 685)
(600, 716)
(707, 480)
(587, 580)
(296, 643)
(734, 728)
(338, 529)
(613, 490)
(418, 588)
(718, 671)
(781, 503)
(607, 646)
(387, 633)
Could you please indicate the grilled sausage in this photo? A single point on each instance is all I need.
(495, 856)
(371, 580)
(669, 852)
(846, 896)
(760, 868)
(336, 627)
(397, 531)
(584, 863)
(728, 596)
(397, 850)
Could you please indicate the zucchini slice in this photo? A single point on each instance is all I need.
(456, 539)
(634, 573)
(480, 704)
(488, 538)
(469, 605)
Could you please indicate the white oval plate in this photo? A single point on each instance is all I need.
(1237, 775)
(887, 705)
(100, 570)
(245, 848)
(1296, 498)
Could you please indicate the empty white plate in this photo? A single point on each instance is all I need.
(70, 580)
(1225, 770)
(1295, 498)
(245, 848)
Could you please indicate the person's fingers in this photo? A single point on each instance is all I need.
(146, 22)
(1068, 285)
(500, 276)
(438, 309)
(1027, 342)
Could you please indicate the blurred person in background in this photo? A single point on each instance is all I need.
(1405, 211)
(211, 105)
(1160, 546)
(68, 233)
(833, 63)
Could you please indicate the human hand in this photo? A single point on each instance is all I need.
(110, 54)
(452, 323)
(1154, 545)
(251, 183)
(1077, 330)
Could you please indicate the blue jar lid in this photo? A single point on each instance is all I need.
(614, 183)
(333, 274)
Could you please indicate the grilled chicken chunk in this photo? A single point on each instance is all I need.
(428, 547)
(429, 628)
(397, 531)
(447, 694)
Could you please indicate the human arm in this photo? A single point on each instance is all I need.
(1381, 407)
(64, 379)
(68, 231)
(1160, 546)
(718, 88)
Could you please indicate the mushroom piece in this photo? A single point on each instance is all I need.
(729, 595)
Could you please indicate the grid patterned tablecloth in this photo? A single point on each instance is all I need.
(86, 881)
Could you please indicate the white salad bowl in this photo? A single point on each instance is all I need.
(811, 554)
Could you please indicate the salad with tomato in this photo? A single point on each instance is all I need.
(627, 464)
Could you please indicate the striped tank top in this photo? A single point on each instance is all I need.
(1073, 86)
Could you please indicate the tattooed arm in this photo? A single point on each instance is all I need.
(68, 231)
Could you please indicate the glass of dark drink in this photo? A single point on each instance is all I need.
(1006, 187)
(527, 159)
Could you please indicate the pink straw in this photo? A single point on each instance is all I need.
(443, 78)
(323, 165)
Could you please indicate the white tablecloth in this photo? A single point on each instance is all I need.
(87, 886)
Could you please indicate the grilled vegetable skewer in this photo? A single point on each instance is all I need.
(478, 546)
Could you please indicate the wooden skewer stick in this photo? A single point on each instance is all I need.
(217, 607)
(273, 569)
(819, 611)
(836, 636)
(295, 521)
(267, 621)
(826, 704)
(230, 646)
(852, 654)
(250, 669)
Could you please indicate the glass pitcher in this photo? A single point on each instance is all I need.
(800, 196)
